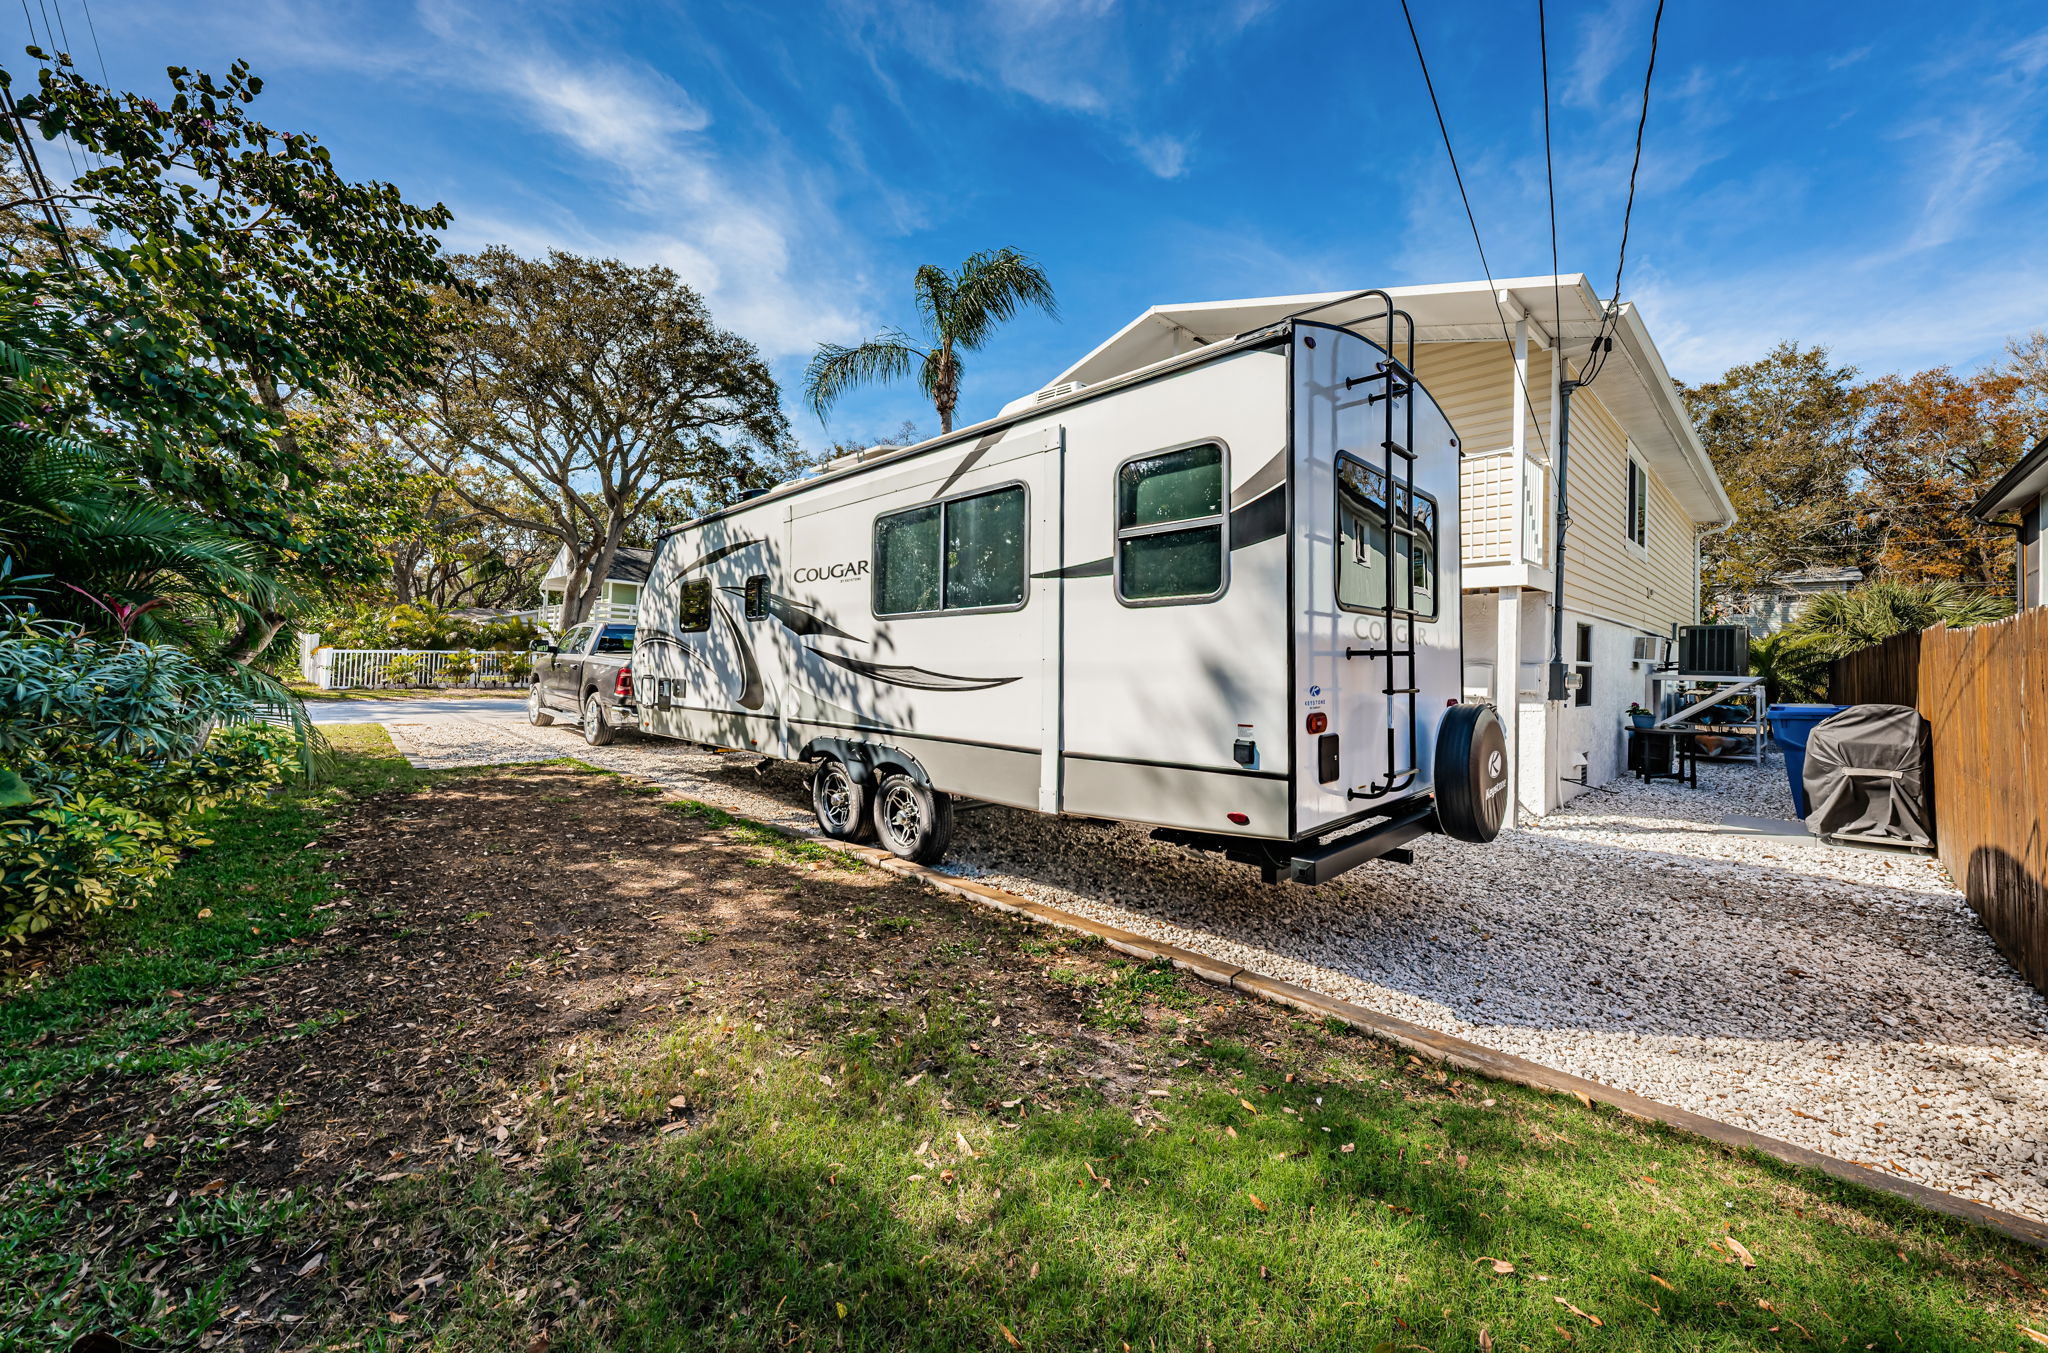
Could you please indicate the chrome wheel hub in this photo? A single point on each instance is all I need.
(900, 811)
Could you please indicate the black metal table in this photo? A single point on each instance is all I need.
(1663, 754)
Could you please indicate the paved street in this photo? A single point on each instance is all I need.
(404, 711)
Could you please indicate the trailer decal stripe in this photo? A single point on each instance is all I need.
(752, 694)
(721, 552)
(1264, 480)
(1264, 518)
(1094, 568)
(969, 461)
(916, 678)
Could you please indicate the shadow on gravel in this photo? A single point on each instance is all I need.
(1542, 932)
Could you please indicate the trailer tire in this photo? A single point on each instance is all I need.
(536, 712)
(840, 802)
(913, 820)
(1471, 773)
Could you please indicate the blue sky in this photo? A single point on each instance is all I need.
(1866, 176)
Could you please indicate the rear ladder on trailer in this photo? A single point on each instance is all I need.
(1397, 645)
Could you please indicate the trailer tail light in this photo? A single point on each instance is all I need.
(1318, 722)
(1241, 819)
(623, 687)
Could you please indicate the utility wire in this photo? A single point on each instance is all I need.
(1599, 354)
(1492, 291)
(93, 29)
(1550, 189)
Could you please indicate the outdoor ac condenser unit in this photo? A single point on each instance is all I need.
(1713, 650)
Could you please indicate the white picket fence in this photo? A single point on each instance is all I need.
(333, 669)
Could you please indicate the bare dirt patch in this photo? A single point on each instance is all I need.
(486, 924)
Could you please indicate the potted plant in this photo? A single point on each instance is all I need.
(1640, 717)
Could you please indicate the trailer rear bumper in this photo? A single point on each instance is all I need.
(1319, 862)
(1313, 860)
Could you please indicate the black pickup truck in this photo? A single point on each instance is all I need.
(586, 676)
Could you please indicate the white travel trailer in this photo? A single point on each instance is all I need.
(1217, 596)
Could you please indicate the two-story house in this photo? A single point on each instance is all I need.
(1639, 493)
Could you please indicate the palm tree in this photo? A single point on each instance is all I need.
(960, 309)
(1838, 624)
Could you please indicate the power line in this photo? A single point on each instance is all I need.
(1629, 208)
(93, 29)
(1492, 291)
(1550, 187)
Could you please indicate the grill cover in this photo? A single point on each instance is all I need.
(1866, 775)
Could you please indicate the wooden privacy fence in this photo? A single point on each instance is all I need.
(1984, 694)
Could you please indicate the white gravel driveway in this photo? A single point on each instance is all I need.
(1846, 1001)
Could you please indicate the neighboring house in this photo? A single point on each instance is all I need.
(2023, 494)
(1778, 603)
(1641, 490)
(621, 597)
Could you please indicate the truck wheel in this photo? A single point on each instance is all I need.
(913, 820)
(1471, 773)
(537, 713)
(840, 802)
(596, 731)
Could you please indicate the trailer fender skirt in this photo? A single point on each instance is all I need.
(865, 761)
(1471, 772)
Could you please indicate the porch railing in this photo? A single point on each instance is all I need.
(549, 617)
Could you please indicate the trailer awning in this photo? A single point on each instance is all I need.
(1635, 386)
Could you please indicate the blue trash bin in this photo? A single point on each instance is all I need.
(1791, 725)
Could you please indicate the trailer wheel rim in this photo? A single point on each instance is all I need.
(838, 798)
(902, 813)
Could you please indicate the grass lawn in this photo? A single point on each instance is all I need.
(534, 1057)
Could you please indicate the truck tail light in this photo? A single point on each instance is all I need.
(623, 687)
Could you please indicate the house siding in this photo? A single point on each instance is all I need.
(1605, 575)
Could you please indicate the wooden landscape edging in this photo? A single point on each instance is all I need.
(1445, 1048)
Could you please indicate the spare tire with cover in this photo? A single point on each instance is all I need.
(1471, 772)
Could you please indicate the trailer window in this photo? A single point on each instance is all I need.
(1362, 552)
(1170, 537)
(756, 594)
(693, 610)
(964, 554)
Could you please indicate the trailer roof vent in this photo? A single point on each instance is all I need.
(1026, 403)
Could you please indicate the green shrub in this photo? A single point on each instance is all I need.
(109, 753)
(459, 668)
(421, 626)
(403, 669)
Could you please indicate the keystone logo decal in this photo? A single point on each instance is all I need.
(857, 568)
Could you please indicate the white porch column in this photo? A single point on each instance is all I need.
(1507, 685)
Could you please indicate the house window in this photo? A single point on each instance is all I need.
(693, 610)
(1171, 545)
(1584, 695)
(964, 554)
(1362, 544)
(756, 594)
(624, 596)
(1638, 518)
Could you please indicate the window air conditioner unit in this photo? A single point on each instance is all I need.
(1650, 648)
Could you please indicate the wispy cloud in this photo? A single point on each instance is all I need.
(1109, 62)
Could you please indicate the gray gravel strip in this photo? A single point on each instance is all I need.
(1845, 1001)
